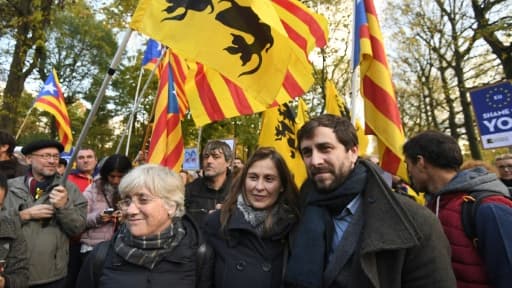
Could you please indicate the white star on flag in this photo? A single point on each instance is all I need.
(50, 87)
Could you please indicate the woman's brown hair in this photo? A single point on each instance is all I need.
(288, 196)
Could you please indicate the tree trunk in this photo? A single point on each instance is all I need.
(16, 79)
(29, 34)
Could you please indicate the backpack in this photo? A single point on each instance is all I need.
(469, 209)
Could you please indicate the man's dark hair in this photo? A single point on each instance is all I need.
(218, 145)
(7, 138)
(438, 149)
(118, 163)
(341, 127)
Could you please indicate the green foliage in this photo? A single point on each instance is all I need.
(118, 12)
(440, 59)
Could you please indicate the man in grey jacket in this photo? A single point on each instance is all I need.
(354, 231)
(48, 213)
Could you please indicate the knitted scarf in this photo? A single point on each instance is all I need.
(310, 250)
(147, 251)
(281, 217)
(36, 188)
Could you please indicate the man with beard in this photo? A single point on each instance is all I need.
(354, 231)
(48, 213)
(433, 163)
(205, 194)
(9, 165)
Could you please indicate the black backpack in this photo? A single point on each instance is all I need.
(469, 209)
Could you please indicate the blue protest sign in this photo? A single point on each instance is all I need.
(493, 110)
(191, 159)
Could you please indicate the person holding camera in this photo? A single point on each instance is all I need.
(102, 197)
(48, 212)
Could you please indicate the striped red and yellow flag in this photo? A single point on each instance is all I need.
(51, 99)
(305, 28)
(166, 146)
(381, 109)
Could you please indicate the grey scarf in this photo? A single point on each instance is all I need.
(282, 217)
(147, 251)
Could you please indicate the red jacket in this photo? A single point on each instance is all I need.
(80, 180)
(467, 264)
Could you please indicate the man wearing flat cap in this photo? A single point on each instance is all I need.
(48, 213)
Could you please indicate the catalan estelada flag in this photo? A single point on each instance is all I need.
(382, 116)
(279, 130)
(166, 145)
(51, 99)
(254, 44)
(152, 53)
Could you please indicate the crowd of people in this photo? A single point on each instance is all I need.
(118, 223)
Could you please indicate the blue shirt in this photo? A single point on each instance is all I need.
(342, 221)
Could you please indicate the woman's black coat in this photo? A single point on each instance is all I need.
(178, 269)
(242, 258)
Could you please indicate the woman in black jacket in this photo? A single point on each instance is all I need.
(249, 234)
(157, 245)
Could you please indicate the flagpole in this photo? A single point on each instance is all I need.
(137, 102)
(130, 121)
(199, 135)
(24, 122)
(152, 114)
(354, 75)
(99, 97)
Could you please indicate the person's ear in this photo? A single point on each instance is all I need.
(171, 211)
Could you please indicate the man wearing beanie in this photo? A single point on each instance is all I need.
(48, 212)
